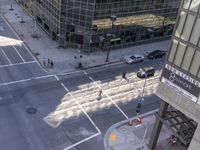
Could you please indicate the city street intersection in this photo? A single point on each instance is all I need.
(43, 111)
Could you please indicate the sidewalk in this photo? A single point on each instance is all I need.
(63, 59)
(121, 136)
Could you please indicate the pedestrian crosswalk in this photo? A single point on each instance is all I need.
(117, 91)
(14, 54)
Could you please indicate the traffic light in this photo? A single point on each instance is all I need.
(124, 75)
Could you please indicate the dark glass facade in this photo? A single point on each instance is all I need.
(103, 24)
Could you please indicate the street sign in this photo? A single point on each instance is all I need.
(183, 83)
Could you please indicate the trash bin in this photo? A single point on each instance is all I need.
(79, 65)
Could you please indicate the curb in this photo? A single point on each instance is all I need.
(104, 64)
(91, 67)
(105, 142)
(36, 58)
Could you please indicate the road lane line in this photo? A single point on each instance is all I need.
(123, 113)
(18, 53)
(6, 56)
(81, 107)
(25, 80)
(82, 141)
(22, 63)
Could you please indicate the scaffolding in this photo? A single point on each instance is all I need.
(181, 126)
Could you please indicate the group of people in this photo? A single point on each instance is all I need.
(49, 62)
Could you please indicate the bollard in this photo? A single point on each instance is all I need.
(130, 122)
(123, 75)
(79, 65)
(138, 120)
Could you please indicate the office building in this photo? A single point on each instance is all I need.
(179, 87)
(103, 24)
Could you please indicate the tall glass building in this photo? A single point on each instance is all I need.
(103, 24)
(180, 81)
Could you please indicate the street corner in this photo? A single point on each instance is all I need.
(112, 137)
(123, 138)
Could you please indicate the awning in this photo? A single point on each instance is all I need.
(115, 39)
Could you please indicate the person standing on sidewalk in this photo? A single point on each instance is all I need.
(43, 61)
(51, 63)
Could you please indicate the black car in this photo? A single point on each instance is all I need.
(146, 72)
(169, 28)
(156, 54)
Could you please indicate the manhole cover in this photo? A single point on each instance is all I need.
(31, 110)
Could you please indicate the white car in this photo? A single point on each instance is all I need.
(134, 58)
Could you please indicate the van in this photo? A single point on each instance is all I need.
(146, 72)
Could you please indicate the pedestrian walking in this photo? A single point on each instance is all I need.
(51, 62)
(99, 95)
(43, 61)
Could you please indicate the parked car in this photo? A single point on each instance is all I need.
(169, 28)
(156, 31)
(134, 58)
(156, 54)
(146, 72)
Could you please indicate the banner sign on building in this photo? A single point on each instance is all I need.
(181, 82)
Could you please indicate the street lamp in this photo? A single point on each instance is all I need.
(142, 95)
(113, 18)
(11, 8)
(22, 15)
(141, 98)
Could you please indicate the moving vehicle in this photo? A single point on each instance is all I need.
(156, 54)
(146, 72)
(134, 58)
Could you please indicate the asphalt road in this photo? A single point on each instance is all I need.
(41, 111)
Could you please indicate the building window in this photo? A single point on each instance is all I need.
(186, 4)
(194, 69)
(180, 24)
(194, 5)
(187, 27)
(187, 58)
(195, 33)
(179, 54)
(199, 73)
(173, 51)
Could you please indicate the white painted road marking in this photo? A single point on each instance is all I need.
(123, 113)
(25, 80)
(22, 63)
(82, 141)
(67, 90)
(6, 56)
(18, 53)
(86, 139)
(29, 51)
